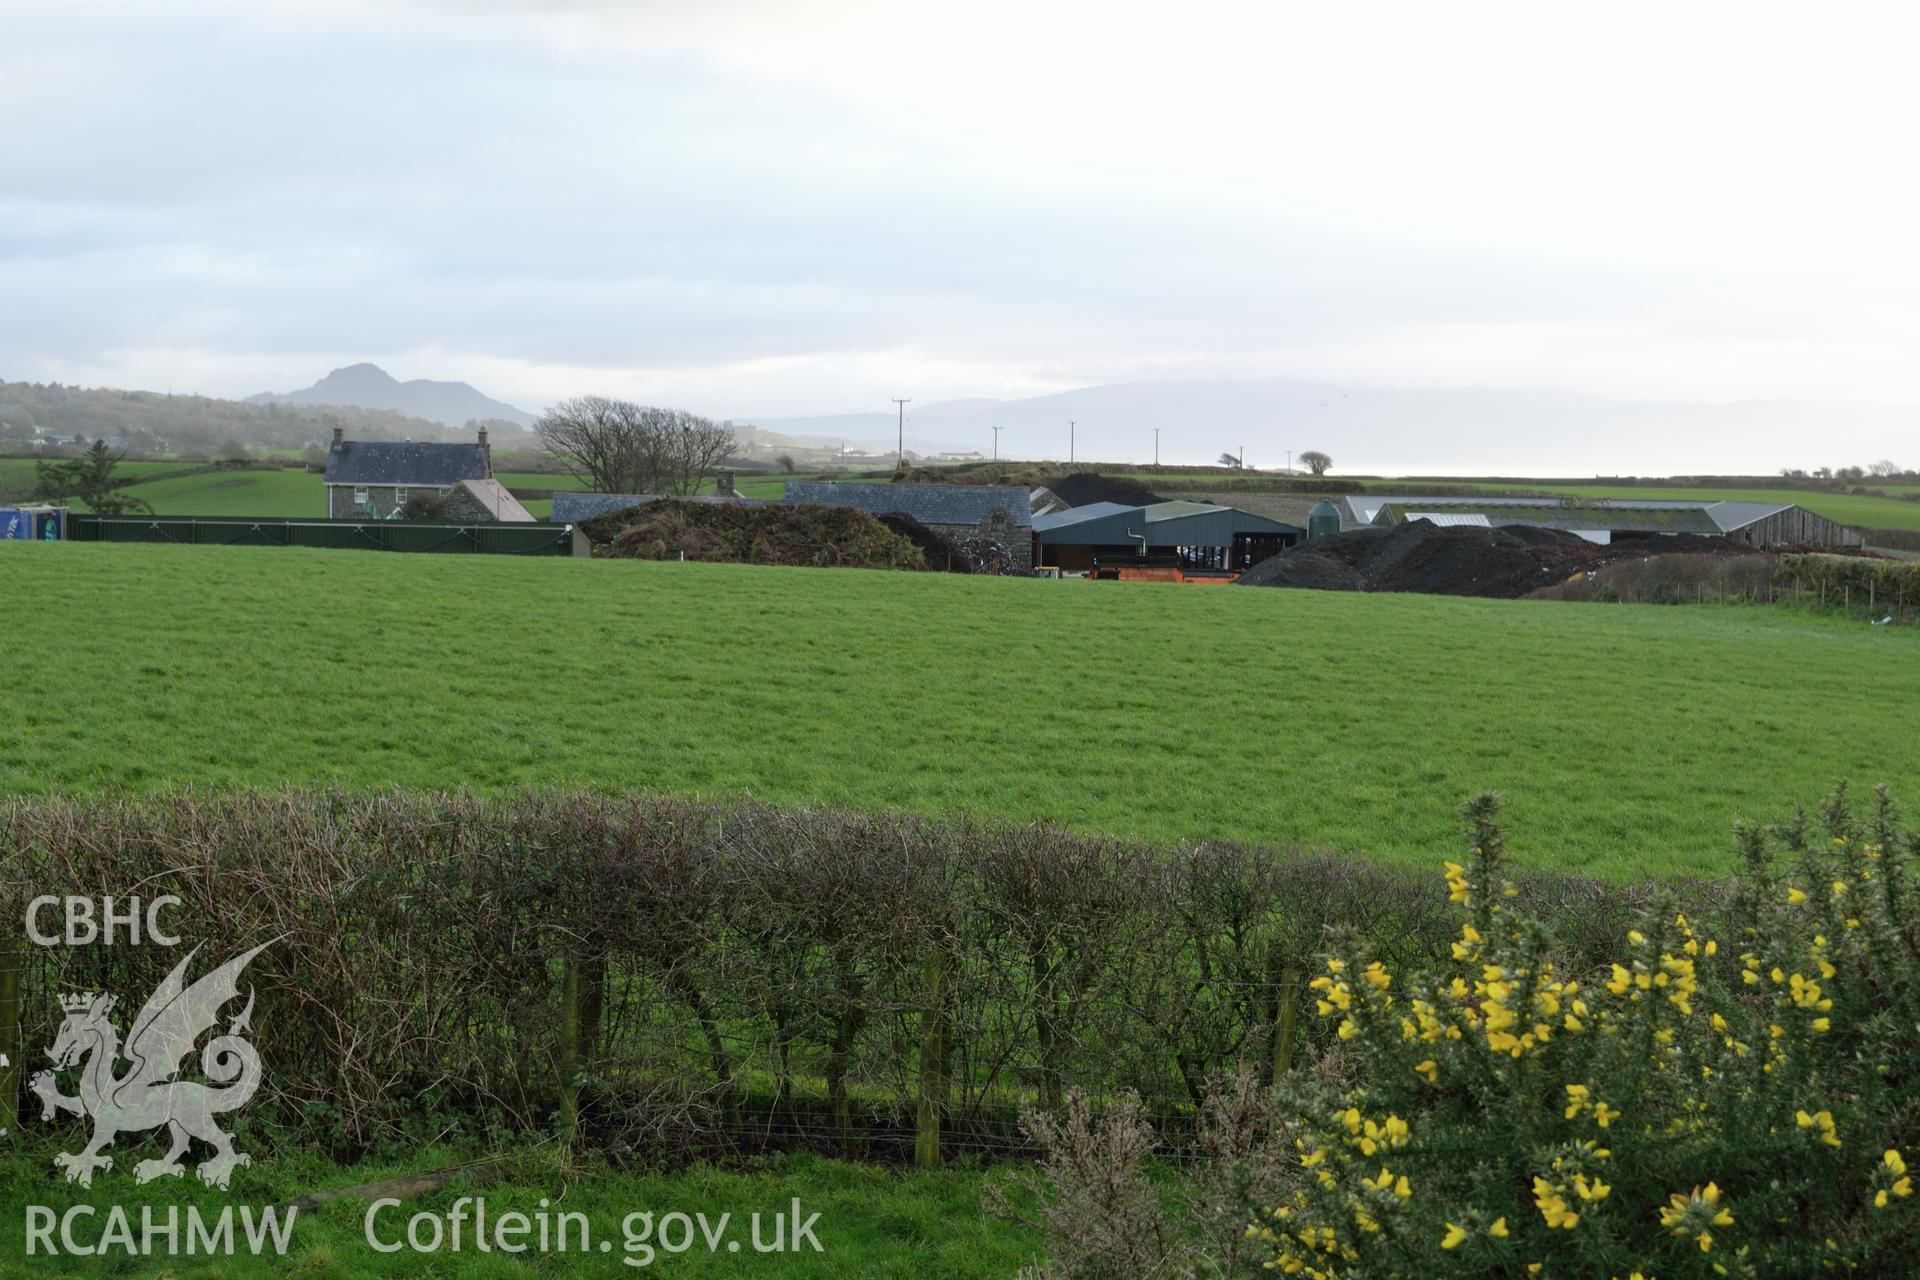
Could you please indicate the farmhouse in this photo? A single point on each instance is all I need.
(996, 513)
(1198, 535)
(1759, 524)
(378, 477)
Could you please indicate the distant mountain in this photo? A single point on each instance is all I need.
(1393, 431)
(368, 386)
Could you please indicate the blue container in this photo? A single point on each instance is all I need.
(33, 524)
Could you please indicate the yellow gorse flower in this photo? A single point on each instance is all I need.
(1695, 1214)
(1553, 1205)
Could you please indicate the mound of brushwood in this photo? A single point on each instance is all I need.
(718, 532)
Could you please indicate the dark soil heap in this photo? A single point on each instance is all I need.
(1085, 487)
(1456, 560)
(808, 534)
(1417, 556)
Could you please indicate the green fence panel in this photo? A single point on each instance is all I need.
(370, 535)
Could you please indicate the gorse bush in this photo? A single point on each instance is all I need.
(1733, 1099)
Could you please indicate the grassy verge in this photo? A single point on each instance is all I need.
(1628, 739)
(873, 1222)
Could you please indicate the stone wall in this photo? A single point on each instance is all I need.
(464, 504)
(384, 499)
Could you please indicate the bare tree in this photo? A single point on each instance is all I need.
(1229, 460)
(620, 447)
(1884, 468)
(1316, 462)
(786, 462)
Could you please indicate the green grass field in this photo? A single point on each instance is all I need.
(287, 493)
(873, 1222)
(19, 476)
(1627, 738)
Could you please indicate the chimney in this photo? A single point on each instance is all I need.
(339, 434)
(486, 451)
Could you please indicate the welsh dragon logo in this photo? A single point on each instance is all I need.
(146, 1096)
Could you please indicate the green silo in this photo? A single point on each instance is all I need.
(1323, 520)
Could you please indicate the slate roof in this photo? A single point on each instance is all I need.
(405, 462)
(934, 504)
(572, 508)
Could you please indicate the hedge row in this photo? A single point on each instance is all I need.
(655, 974)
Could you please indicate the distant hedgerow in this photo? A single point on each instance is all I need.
(1733, 1099)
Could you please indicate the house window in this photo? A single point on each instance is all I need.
(360, 497)
(400, 496)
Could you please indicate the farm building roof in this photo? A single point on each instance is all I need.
(1453, 519)
(933, 504)
(493, 495)
(406, 463)
(572, 508)
(1648, 515)
(1165, 524)
(1680, 518)
(1076, 515)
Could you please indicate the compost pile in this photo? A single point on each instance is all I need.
(808, 534)
(1418, 556)
(1085, 487)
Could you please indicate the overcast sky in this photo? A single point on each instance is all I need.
(776, 209)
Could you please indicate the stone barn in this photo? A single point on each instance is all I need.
(996, 513)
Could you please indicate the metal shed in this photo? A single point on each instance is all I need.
(1198, 534)
(1760, 524)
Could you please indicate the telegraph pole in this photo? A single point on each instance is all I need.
(900, 448)
(1156, 446)
(996, 444)
(1071, 424)
(1289, 461)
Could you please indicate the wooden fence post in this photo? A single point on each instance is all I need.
(583, 1000)
(1290, 980)
(570, 1055)
(936, 1068)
